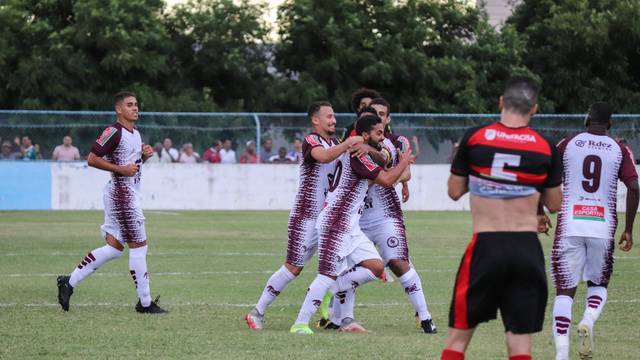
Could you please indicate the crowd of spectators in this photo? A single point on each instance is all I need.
(219, 152)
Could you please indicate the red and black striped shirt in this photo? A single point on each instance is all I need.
(497, 154)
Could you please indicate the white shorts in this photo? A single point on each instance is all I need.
(390, 238)
(123, 220)
(354, 249)
(302, 243)
(575, 257)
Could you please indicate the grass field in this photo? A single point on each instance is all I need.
(210, 267)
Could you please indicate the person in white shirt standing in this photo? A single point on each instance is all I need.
(227, 155)
(592, 162)
(66, 151)
(169, 153)
(188, 156)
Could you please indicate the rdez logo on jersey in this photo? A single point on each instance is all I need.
(492, 134)
(599, 145)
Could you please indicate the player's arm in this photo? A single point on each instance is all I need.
(457, 185)
(98, 162)
(629, 177)
(551, 194)
(147, 152)
(381, 157)
(390, 177)
(322, 155)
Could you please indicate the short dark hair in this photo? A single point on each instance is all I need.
(600, 112)
(315, 106)
(367, 110)
(121, 95)
(361, 94)
(366, 123)
(520, 94)
(383, 102)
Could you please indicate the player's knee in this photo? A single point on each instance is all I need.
(399, 267)
(294, 270)
(376, 266)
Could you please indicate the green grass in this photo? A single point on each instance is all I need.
(209, 266)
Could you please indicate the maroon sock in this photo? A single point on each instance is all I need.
(448, 354)
(520, 357)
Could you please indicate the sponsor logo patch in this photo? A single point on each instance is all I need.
(492, 134)
(106, 135)
(588, 212)
(368, 162)
(313, 140)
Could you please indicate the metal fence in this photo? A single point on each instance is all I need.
(436, 133)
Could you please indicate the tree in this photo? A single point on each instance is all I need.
(583, 50)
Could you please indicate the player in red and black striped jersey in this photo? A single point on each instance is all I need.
(508, 169)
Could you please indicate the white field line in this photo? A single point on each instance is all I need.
(184, 273)
(240, 305)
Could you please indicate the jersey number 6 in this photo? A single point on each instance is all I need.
(501, 160)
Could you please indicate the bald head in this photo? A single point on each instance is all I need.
(520, 95)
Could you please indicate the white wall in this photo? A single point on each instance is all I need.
(232, 187)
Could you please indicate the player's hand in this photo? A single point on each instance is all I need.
(354, 140)
(626, 241)
(544, 224)
(360, 149)
(128, 170)
(406, 156)
(147, 151)
(405, 192)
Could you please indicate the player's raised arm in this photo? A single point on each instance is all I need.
(392, 176)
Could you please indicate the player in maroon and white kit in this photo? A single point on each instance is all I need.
(342, 245)
(120, 151)
(592, 162)
(320, 150)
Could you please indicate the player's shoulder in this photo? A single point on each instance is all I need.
(111, 132)
(365, 160)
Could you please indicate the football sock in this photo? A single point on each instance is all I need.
(138, 270)
(354, 277)
(561, 324)
(346, 302)
(413, 288)
(276, 283)
(313, 299)
(94, 260)
(520, 357)
(596, 298)
(448, 354)
(336, 309)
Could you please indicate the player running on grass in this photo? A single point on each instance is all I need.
(320, 150)
(120, 151)
(583, 247)
(382, 222)
(342, 245)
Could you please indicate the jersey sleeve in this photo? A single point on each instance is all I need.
(107, 142)
(310, 142)
(402, 143)
(554, 176)
(460, 164)
(365, 167)
(628, 172)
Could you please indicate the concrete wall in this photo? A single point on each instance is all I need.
(75, 186)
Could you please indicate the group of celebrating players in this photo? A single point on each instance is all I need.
(348, 212)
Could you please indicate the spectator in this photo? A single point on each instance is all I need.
(157, 153)
(227, 155)
(66, 151)
(267, 150)
(296, 154)
(169, 154)
(249, 155)
(7, 152)
(29, 150)
(281, 158)
(212, 154)
(188, 156)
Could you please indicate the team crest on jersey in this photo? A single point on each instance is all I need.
(368, 162)
(490, 134)
(313, 140)
(588, 212)
(106, 135)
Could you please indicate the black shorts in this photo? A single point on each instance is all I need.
(501, 270)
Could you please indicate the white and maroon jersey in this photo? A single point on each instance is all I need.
(120, 146)
(345, 200)
(382, 203)
(592, 165)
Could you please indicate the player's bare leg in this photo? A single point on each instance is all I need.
(561, 322)
(412, 285)
(456, 344)
(518, 346)
(92, 262)
(276, 283)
